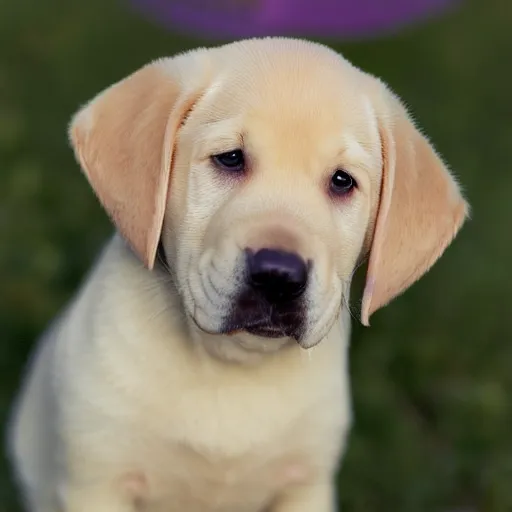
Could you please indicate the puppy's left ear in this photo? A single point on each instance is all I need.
(124, 138)
(421, 208)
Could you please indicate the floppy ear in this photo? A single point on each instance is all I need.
(123, 140)
(421, 210)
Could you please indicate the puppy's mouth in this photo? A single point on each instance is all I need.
(254, 315)
(267, 331)
(261, 328)
(264, 329)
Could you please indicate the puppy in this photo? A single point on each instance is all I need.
(203, 364)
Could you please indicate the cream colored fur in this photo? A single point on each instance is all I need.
(133, 402)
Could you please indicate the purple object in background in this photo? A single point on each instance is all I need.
(250, 18)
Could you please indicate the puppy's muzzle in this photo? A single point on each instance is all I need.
(270, 302)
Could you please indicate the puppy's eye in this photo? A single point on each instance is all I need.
(232, 161)
(342, 182)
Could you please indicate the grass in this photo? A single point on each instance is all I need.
(432, 376)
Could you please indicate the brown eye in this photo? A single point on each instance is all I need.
(342, 182)
(232, 161)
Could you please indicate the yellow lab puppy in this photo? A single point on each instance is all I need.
(203, 365)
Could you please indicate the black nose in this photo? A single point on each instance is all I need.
(278, 275)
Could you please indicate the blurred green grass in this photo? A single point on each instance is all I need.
(432, 376)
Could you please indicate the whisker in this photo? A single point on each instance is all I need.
(207, 286)
(345, 292)
(155, 315)
(214, 286)
(345, 302)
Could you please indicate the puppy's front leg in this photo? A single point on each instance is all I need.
(312, 497)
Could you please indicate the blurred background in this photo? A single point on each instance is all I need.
(432, 377)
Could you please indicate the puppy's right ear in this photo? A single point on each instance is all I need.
(124, 138)
(421, 207)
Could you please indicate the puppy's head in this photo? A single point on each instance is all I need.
(268, 169)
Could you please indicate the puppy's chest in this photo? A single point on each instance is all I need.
(234, 452)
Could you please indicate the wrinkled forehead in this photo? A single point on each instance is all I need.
(289, 96)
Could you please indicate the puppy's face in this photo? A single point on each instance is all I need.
(275, 179)
(268, 169)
